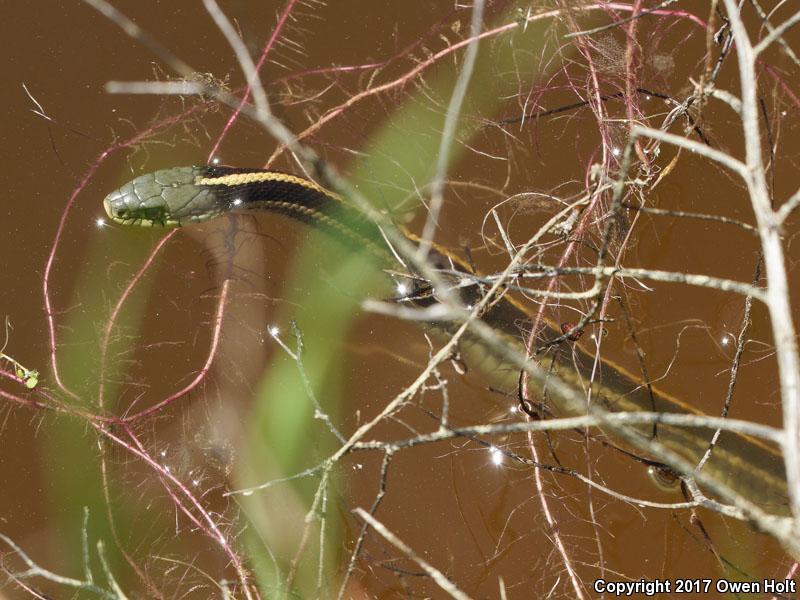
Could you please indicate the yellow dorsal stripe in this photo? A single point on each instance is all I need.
(265, 176)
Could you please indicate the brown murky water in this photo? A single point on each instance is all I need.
(480, 523)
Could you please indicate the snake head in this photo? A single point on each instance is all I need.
(166, 198)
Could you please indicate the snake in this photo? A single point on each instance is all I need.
(183, 196)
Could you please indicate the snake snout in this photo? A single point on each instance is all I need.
(117, 206)
(108, 205)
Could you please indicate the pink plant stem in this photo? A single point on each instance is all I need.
(631, 97)
(22, 401)
(789, 575)
(118, 308)
(551, 522)
(436, 28)
(318, 71)
(51, 257)
(223, 298)
(408, 77)
(781, 82)
(209, 527)
(170, 491)
(270, 43)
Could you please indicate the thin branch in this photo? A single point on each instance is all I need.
(787, 208)
(449, 131)
(691, 215)
(437, 576)
(776, 33)
(701, 149)
(780, 309)
(745, 326)
(34, 570)
(243, 56)
(638, 15)
(592, 420)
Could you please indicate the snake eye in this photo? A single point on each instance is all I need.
(664, 477)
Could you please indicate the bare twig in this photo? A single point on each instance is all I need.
(780, 310)
(449, 132)
(442, 581)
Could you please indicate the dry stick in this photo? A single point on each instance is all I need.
(780, 309)
(34, 570)
(693, 279)
(437, 576)
(243, 56)
(552, 523)
(112, 582)
(568, 423)
(787, 208)
(698, 501)
(321, 558)
(708, 79)
(772, 147)
(449, 131)
(465, 433)
(639, 355)
(745, 326)
(775, 34)
(771, 28)
(676, 140)
(264, 53)
(140, 35)
(475, 432)
(297, 358)
(301, 547)
(387, 458)
(690, 215)
(553, 272)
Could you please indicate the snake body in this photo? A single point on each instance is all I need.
(185, 195)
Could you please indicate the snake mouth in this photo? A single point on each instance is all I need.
(125, 207)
